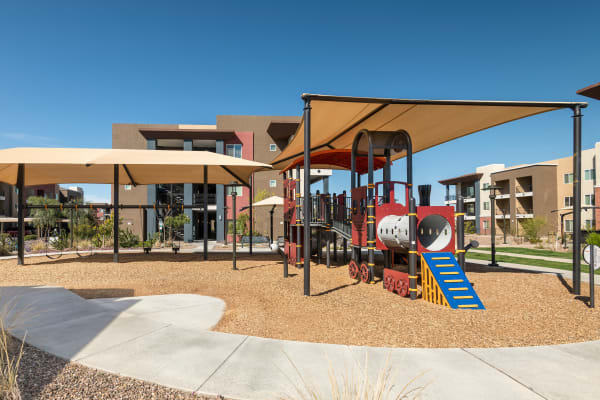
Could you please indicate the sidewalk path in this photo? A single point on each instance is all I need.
(533, 257)
(165, 339)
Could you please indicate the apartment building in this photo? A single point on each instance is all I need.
(258, 138)
(542, 189)
(8, 196)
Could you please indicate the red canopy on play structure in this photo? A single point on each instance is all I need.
(337, 159)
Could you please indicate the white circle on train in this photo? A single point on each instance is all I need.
(587, 255)
(434, 232)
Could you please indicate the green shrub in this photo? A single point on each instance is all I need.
(6, 244)
(470, 228)
(60, 242)
(593, 238)
(31, 237)
(532, 227)
(128, 239)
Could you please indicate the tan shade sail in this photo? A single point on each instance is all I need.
(335, 121)
(62, 165)
(269, 202)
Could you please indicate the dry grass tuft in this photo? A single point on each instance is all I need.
(356, 385)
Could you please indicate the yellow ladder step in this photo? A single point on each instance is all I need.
(453, 281)
(449, 273)
(440, 258)
(462, 297)
(445, 265)
(468, 305)
(458, 289)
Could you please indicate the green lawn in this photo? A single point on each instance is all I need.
(531, 252)
(529, 261)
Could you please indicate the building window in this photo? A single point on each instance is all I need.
(486, 224)
(127, 187)
(234, 150)
(485, 186)
(272, 183)
(589, 224)
(568, 201)
(589, 174)
(272, 147)
(590, 200)
(569, 225)
(568, 178)
(486, 205)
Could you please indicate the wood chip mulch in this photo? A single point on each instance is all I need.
(523, 308)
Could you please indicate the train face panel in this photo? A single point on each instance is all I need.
(435, 229)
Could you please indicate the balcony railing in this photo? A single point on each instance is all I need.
(524, 189)
(502, 213)
(451, 197)
(524, 213)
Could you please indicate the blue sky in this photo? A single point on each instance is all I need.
(68, 70)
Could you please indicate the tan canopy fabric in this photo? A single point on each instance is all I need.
(62, 165)
(269, 202)
(335, 121)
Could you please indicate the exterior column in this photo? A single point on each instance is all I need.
(151, 195)
(221, 212)
(477, 208)
(188, 199)
(116, 214)
(326, 185)
(205, 212)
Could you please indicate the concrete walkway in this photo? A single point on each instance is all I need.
(165, 339)
(530, 256)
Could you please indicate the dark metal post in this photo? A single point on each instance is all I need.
(116, 214)
(371, 215)
(412, 252)
(205, 212)
(271, 215)
(576, 199)
(319, 245)
(233, 196)
(251, 217)
(460, 231)
(71, 227)
(345, 250)
(144, 224)
(335, 247)
(298, 221)
(21, 215)
(493, 227)
(591, 279)
(307, 210)
(225, 219)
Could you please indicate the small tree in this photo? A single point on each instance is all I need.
(470, 228)
(262, 194)
(176, 222)
(532, 227)
(44, 219)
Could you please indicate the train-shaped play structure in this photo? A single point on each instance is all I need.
(406, 245)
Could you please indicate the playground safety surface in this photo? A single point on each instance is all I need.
(522, 308)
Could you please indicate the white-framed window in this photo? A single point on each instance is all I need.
(272, 147)
(486, 185)
(486, 205)
(273, 183)
(127, 187)
(589, 224)
(590, 200)
(486, 224)
(569, 225)
(237, 189)
(589, 174)
(568, 201)
(234, 150)
(568, 178)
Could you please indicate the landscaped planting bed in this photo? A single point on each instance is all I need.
(522, 308)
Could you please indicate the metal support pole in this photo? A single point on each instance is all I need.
(271, 215)
(298, 221)
(144, 224)
(307, 210)
(205, 212)
(71, 227)
(412, 252)
(371, 214)
(328, 249)
(21, 215)
(335, 247)
(576, 199)
(493, 232)
(250, 212)
(460, 231)
(319, 246)
(591, 279)
(233, 196)
(116, 214)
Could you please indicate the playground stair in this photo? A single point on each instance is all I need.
(445, 283)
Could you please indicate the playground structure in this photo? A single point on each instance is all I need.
(366, 134)
(417, 243)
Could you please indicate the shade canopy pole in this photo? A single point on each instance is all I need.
(271, 218)
(307, 208)
(233, 196)
(116, 214)
(205, 212)
(576, 199)
(21, 215)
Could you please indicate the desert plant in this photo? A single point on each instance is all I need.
(38, 245)
(532, 227)
(9, 365)
(44, 219)
(355, 386)
(176, 222)
(6, 244)
(30, 237)
(59, 242)
(128, 239)
(470, 228)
